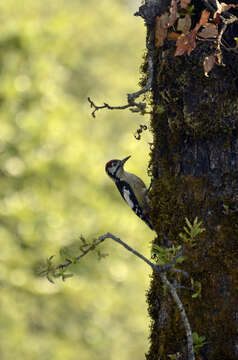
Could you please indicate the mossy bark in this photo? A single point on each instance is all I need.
(194, 162)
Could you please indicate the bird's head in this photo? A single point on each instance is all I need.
(113, 166)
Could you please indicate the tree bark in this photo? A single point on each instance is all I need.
(194, 162)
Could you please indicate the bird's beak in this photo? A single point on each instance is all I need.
(124, 160)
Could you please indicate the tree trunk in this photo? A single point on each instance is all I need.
(194, 161)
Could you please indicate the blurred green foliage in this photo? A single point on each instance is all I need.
(53, 54)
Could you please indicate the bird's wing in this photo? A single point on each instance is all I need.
(129, 196)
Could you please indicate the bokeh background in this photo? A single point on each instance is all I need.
(53, 187)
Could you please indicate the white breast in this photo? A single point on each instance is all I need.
(126, 194)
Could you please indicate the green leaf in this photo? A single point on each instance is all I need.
(188, 223)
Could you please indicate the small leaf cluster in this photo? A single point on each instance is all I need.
(197, 287)
(50, 271)
(198, 342)
(191, 231)
(72, 255)
(164, 255)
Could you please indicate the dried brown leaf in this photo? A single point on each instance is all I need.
(204, 18)
(161, 29)
(173, 36)
(173, 13)
(202, 22)
(186, 43)
(184, 24)
(209, 31)
(184, 3)
(208, 63)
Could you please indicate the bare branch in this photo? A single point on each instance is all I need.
(183, 315)
(100, 239)
(85, 252)
(180, 271)
(226, 23)
(131, 103)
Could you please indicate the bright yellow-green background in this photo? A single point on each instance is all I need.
(53, 54)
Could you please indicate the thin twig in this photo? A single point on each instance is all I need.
(100, 239)
(183, 314)
(131, 103)
(139, 106)
(85, 252)
(185, 274)
(226, 22)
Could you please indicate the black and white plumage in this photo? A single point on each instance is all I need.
(131, 188)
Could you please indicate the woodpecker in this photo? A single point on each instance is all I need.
(131, 188)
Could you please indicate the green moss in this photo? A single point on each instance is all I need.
(212, 258)
(193, 104)
(172, 199)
